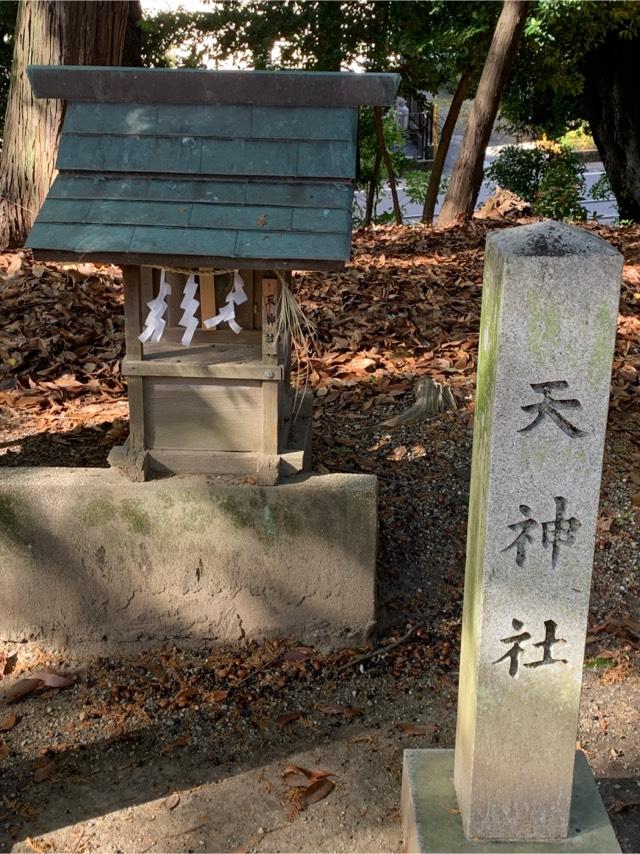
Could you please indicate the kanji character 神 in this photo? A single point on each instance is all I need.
(559, 530)
(524, 536)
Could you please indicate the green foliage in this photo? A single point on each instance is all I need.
(429, 42)
(561, 189)
(601, 189)
(548, 176)
(416, 182)
(394, 138)
(546, 90)
(579, 139)
(519, 170)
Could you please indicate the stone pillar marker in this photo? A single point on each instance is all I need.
(549, 310)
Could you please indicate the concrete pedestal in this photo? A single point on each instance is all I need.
(91, 561)
(431, 819)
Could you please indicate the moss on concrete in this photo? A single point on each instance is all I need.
(101, 511)
(600, 360)
(12, 524)
(544, 326)
(137, 519)
(97, 511)
(269, 519)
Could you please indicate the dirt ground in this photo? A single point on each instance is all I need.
(189, 750)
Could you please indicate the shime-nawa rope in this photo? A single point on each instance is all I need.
(193, 271)
(290, 318)
(292, 321)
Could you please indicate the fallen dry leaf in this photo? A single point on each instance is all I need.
(8, 663)
(156, 670)
(299, 653)
(171, 802)
(288, 718)
(295, 779)
(8, 722)
(407, 728)
(44, 772)
(329, 709)
(297, 769)
(318, 790)
(21, 688)
(53, 679)
(618, 806)
(217, 696)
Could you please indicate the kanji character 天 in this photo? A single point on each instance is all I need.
(549, 406)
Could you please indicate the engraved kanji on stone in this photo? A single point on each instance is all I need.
(270, 318)
(270, 337)
(517, 651)
(549, 406)
(524, 534)
(550, 640)
(559, 531)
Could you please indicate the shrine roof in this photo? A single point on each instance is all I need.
(197, 168)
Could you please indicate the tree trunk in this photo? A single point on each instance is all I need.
(329, 43)
(48, 32)
(466, 178)
(443, 148)
(371, 194)
(613, 108)
(382, 148)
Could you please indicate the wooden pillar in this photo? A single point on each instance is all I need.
(268, 460)
(138, 289)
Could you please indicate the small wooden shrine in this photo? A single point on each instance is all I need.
(207, 187)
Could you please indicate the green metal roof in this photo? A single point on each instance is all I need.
(221, 184)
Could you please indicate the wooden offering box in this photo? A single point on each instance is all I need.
(180, 173)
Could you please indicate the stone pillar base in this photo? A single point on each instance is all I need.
(431, 820)
(92, 561)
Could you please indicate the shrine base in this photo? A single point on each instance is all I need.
(91, 560)
(431, 820)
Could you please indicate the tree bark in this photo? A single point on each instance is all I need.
(329, 44)
(382, 148)
(371, 194)
(48, 32)
(442, 150)
(613, 109)
(466, 178)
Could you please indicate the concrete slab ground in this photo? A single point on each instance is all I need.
(432, 822)
(92, 561)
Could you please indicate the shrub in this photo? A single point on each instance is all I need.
(549, 176)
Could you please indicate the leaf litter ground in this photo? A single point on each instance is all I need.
(274, 746)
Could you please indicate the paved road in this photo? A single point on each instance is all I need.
(606, 211)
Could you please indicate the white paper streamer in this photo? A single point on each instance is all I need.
(190, 305)
(154, 324)
(236, 296)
